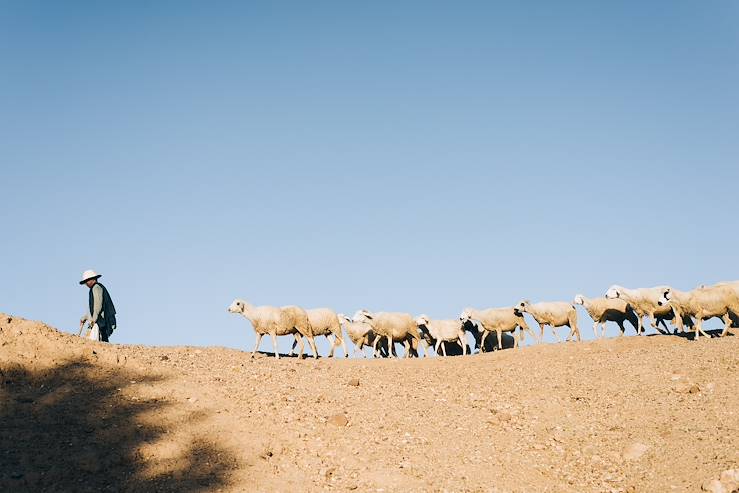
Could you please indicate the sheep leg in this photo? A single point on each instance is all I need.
(343, 346)
(727, 324)
(654, 323)
(699, 328)
(292, 349)
(541, 330)
(464, 346)
(526, 327)
(374, 347)
(407, 348)
(391, 347)
(361, 345)
(333, 346)
(500, 339)
(482, 340)
(256, 346)
(436, 347)
(312, 344)
(574, 327)
(554, 331)
(621, 328)
(415, 347)
(299, 342)
(274, 344)
(595, 330)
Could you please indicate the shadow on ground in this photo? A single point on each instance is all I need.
(691, 335)
(71, 429)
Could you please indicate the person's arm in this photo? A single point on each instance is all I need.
(97, 303)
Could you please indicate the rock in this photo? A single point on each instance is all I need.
(635, 451)
(354, 382)
(687, 388)
(338, 420)
(730, 475)
(714, 486)
(164, 357)
(266, 453)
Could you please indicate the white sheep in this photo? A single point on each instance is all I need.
(603, 310)
(735, 286)
(644, 301)
(436, 332)
(325, 322)
(552, 313)
(497, 320)
(361, 335)
(394, 327)
(286, 320)
(703, 303)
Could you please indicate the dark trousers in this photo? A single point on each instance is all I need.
(104, 332)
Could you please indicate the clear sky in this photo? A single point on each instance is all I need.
(401, 156)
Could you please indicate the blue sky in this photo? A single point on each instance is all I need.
(410, 156)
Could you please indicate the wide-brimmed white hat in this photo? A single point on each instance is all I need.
(87, 275)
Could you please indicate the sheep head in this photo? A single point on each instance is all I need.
(522, 306)
(579, 299)
(664, 300)
(422, 320)
(237, 306)
(466, 315)
(362, 315)
(614, 292)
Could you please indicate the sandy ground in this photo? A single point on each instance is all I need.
(652, 414)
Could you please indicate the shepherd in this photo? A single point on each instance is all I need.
(101, 308)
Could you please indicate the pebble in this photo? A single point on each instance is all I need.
(714, 486)
(635, 451)
(338, 420)
(354, 382)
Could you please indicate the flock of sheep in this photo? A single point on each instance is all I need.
(382, 330)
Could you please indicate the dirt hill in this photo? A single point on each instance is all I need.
(627, 414)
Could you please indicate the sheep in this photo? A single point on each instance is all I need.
(498, 320)
(287, 320)
(735, 286)
(552, 313)
(437, 332)
(394, 327)
(732, 284)
(325, 322)
(644, 301)
(703, 303)
(603, 310)
(361, 334)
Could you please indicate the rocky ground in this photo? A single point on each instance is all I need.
(628, 414)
